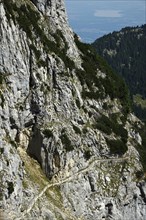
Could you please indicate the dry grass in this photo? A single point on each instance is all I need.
(2, 217)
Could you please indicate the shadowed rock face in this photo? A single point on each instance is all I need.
(57, 107)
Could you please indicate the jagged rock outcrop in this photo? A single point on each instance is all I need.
(63, 110)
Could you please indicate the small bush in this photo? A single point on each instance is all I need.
(76, 129)
(117, 146)
(139, 174)
(13, 143)
(41, 63)
(78, 103)
(10, 188)
(85, 130)
(109, 125)
(1, 78)
(48, 133)
(87, 154)
(2, 99)
(103, 124)
(66, 142)
(102, 127)
(1, 150)
(36, 52)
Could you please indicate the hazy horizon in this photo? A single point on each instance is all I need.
(93, 18)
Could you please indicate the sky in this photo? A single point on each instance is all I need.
(92, 19)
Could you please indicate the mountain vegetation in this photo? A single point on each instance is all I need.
(125, 51)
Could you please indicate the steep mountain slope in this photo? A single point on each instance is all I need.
(125, 52)
(66, 115)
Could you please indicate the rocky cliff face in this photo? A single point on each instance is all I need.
(63, 114)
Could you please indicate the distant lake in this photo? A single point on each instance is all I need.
(93, 18)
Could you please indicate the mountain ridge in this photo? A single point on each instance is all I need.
(124, 50)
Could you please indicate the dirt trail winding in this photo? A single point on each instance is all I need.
(68, 179)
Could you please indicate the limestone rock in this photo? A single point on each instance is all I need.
(57, 127)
